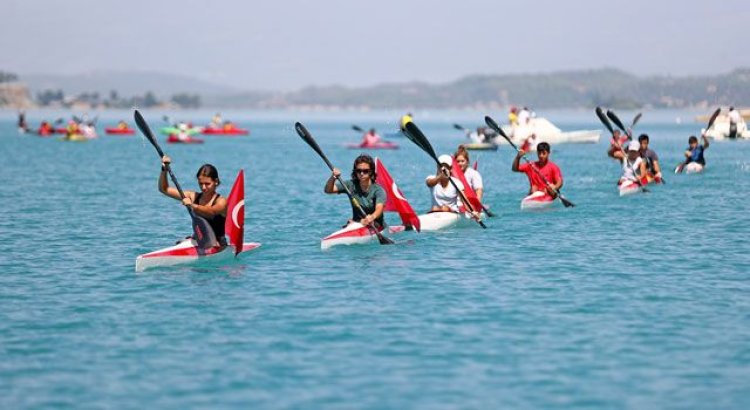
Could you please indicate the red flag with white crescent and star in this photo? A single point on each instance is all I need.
(456, 172)
(234, 226)
(395, 201)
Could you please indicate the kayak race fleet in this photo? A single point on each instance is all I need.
(456, 186)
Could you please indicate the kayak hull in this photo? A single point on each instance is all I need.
(354, 234)
(380, 145)
(693, 168)
(435, 221)
(219, 131)
(629, 188)
(537, 200)
(73, 138)
(119, 131)
(187, 253)
(173, 139)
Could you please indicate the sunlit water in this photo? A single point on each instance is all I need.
(636, 302)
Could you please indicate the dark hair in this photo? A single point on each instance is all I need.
(364, 159)
(461, 151)
(543, 146)
(692, 139)
(643, 137)
(208, 170)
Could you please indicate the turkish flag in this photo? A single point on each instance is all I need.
(468, 190)
(395, 201)
(234, 226)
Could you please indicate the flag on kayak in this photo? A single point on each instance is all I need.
(234, 226)
(456, 172)
(395, 201)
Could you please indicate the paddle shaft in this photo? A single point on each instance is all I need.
(417, 137)
(308, 138)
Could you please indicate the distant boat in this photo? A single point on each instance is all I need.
(546, 132)
(744, 112)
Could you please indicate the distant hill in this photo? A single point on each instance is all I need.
(565, 89)
(126, 83)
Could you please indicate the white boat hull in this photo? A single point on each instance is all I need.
(545, 131)
(354, 234)
(693, 168)
(435, 221)
(721, 130)
(537, 200)
(187, 253)
(629, 188)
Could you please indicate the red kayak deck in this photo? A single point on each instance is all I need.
(219, 131)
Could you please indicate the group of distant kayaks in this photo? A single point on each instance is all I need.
(81, 129)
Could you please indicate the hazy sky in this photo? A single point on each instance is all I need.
(287, 44)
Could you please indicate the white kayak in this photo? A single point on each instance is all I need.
(537, 200)
(629, 188)
(693, 168)
(435, 221)
(187, 253)
(354, 234)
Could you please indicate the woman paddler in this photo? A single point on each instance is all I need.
(445, 197)
(207, 203)
(371, 196)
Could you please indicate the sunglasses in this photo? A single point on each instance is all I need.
(362, 171)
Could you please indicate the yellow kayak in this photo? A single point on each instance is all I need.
(74, 138)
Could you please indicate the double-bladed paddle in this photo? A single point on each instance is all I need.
(603, 118)
(492, 124)
(308, 138)
(203, 233)
(357, 128)
(416, 136)
(710, 124)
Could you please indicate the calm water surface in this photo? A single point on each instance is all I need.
(636, 302)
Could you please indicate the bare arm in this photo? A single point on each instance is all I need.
(219, 207)
(330, 187)
(163, 186)
(516, 161)
(705, 141)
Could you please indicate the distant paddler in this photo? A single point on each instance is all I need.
(370, 138)
(365, 192)
(616, 143)
(207, 203)
(633, 166)
(445, 195)
(694, 160)
(545, 178)
(650, 159)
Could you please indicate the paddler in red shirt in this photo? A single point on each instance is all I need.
(547, 168)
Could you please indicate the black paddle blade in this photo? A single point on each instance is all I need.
(202, 232)
(565, 202)
(635, 120)
(459, 127)
(713, 118)
(357, 128)
(492, 124)
(604, 120)
(416, 136)
(615, 119)
(143, 126)
(308, 138)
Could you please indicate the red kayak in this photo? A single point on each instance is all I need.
(221, 131)
(119, 131)
(379, 145)
(172, 139)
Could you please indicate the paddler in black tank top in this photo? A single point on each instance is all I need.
(206, 203)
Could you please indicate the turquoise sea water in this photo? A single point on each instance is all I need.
(636, 302)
